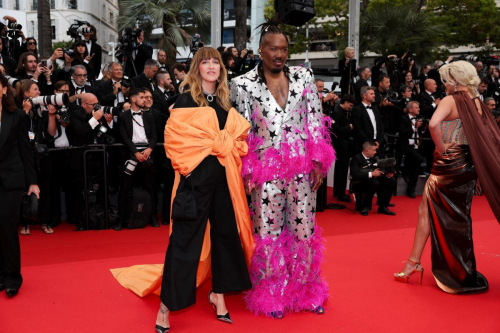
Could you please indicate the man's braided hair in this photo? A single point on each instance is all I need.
(271, 26)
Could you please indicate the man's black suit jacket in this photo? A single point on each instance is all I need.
(10, 65)
(425, 101)
(105, 95)
(357, 91)
(127, 131)
(141, 81)
(144, 53)
(341, 131)
(362, 126)
(406, 133)
(96, 50)
(360, 167)
(160, 102)
(17, 165)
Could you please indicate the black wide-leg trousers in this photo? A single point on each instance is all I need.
(229, 270)
(10, 250)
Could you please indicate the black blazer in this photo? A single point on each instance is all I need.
(160, 102)
(405, 133)
(425, 101)
(141, 81)
(17, 165)
(362, 126)
(360, 167)
(10, 65)
(345, 74)
(96, 60)
(341, 130)
(105, 94)
(127, 130)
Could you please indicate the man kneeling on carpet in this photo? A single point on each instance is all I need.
(371, 175)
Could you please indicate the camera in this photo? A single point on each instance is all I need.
(11, 80)
(107, 110)
(56, 100)
(126, 82)
(79, 28)
(392, 97)
(387, 165)
(101, 136)
(14, 25)
(63, 115)
(127, 41)
(196, 43)
(69, 52)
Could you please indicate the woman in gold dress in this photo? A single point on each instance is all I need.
(467, 148)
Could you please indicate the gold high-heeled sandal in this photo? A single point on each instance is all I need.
(403, 278)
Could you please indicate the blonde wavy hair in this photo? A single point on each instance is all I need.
(193, 79)
(463, 73)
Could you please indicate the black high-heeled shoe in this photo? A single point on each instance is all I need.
(225, 318)
(277, 314)
(2, 287)
(160, 329)
(11, 292)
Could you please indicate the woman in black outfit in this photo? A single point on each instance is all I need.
(213, 194)
(17, 170)
(82, 57)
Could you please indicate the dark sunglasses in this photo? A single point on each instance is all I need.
(31, 43)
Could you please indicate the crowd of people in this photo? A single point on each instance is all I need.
(234, 130)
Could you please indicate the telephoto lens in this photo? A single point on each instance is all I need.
(130, 166)
(14, 25)
(56, 100)
(11, 80)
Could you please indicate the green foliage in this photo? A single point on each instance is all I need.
(170, 16)
(388, 29)
(335, 10)
(467, 21)
(57, 45)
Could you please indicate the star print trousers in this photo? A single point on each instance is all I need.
(286, 266)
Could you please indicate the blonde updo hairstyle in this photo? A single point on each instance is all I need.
(463, 73)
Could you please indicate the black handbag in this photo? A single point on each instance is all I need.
(29, 206)
(184, 205)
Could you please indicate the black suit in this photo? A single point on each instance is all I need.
(17, 170)
(427, 110)
(9, 64)
(413, 159)
(106, 96)
(141, 53)
(95, 50)
(362, 126)
(142, 172)
(365, 187)
(141, 81)
(341, 138)
(426, 102)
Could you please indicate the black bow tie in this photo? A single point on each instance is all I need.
(368, 107)
(413, 118)
(137, 114)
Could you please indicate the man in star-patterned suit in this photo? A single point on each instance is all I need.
(289, 153)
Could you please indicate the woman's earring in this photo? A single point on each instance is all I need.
(455, 87)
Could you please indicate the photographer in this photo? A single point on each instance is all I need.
(228, 61)
(10, 33)
(406, 96)
(30, 45)
(9, 63)
(424, 75)
(482, 88)
(342, 131)
(379, 64)
(145, 79)
(327, 99)
(95, 50)
(164, 91)
(386, 100)
(179, 70)
(140, 55)
(28, 68)
(410, 133)
(83, 58)
(347, 68)
(115, 91)
(161, 57)
(368, 179)
(42, 128)
(492, 107)
(138, 134)
(240, 59)
(61, 176)
(408, 81)
(87, 123)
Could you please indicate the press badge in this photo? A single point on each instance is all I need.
(31, 135)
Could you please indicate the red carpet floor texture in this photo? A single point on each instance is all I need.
(68, 286)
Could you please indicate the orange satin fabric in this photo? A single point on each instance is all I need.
(191, 134)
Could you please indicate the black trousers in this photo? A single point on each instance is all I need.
(340, 174)
(61, 179)
(365, 190)
(44, 173)
(168, 175)
(229, 271)
(413, 161)
(10, 249)
(143, 175)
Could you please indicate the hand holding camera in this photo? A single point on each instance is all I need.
(89, 58)
(97, 115)
(377, 173)
(117, 87)
(140, 157)
(27, 105)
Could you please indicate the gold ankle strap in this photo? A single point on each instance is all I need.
(414, 262)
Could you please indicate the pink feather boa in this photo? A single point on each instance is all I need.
(286, 274)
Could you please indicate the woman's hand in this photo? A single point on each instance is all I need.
(27, 105)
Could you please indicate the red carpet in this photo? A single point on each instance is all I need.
(68, 286)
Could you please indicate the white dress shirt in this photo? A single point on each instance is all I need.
(372, 118)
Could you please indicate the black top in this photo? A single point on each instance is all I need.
(186, 101)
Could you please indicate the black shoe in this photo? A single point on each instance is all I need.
(412, 195)
(79, 227)
(165, 221)
(344, 198)
(385, 210)
(154, 221)
(277, 314)
(2, 287)
(225, 318)
(117, 227)
(391, 204)
(11, 292)
(160, 329)
(364, 212)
